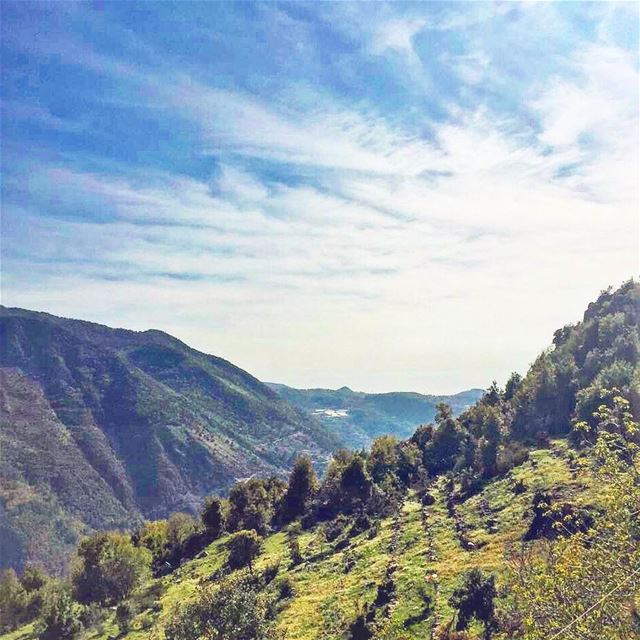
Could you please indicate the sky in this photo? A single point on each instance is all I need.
(403, 196)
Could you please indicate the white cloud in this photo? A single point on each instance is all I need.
(439, 258)
(397, 35)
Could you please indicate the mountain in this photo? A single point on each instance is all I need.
(104, 427)
(517, 519)
(505, 522)
(357, 418)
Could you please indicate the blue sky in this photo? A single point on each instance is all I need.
(388, 196)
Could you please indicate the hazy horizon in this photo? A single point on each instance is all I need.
(380, 196)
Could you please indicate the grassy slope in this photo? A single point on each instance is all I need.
(327, 598)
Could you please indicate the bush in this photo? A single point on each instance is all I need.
(336, 527)
(61, 615)
(124, 614)
(13, 601)
(512, 455)
(285, 588)
(234, 610)
(33, 578)
(474, 599)
(361, 523)
(244, 547)
(91, 615)
(270, 572)
(109, 568)
(294, 551)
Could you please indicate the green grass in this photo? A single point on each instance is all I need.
(327, 597)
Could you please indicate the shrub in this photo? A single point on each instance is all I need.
(124, 615)
(335, 527)
(91, 615)
(244, 547)
(285, 588)
(474, 599)
(109, 568)
(33, 578)
(234, 610)
(512, 455)
(270, 572)
(553, 520)
(13, 600)
(61, 615)
(294, 551)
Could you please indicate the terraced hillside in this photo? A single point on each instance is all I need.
(516, 519)
(401, 572)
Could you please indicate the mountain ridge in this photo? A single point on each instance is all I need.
(358, 417)
(162, 424)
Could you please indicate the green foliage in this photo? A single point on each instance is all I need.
(34, 577)
(233, 610)
(302, 486)
(124, 615)
(154, 536)
(213, 517)
(445, 445)
(383, 458)
(252, 504)
(589, 358)
(180, 527)
(61, 614)
(294, 551)
(244, 547)
(109, 568)
(589, 580)
(13, 600)
(474, 598)
(356, 485)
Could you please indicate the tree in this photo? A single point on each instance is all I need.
(154, 536)
(213, 517)
(108, 568)
(444, 447)
(302, 486)
(474, 599)
(180, 526)
(13, 600)
(244, 547)
(61, 614)
(383, 458)
(512, 386)
(251, 503)
(33, 578)
(356, 485)
(234, 610)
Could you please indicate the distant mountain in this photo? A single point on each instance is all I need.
(357, 417)
(103, 427)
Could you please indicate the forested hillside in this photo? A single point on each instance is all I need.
(105, 427)
(357, 418)
(516, 519)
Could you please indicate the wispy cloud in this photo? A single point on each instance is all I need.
(289, 221)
